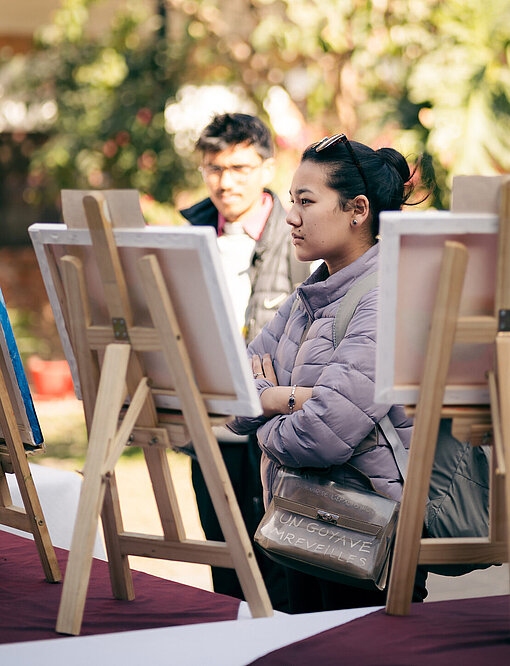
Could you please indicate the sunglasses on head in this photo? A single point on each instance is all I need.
(329, 141)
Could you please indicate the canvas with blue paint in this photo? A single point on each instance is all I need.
(26, 416)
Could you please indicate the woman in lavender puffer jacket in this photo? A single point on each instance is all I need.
(318, 400)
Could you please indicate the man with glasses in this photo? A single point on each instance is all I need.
(261, 269)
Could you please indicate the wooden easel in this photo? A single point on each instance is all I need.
(110, 426)
(13, 459)
(469, 423)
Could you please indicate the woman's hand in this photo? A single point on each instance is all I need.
(263, 368)
(275, 399)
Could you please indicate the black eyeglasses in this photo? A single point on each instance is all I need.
(329, 141)
(238, 172)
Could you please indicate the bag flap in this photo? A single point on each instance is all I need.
(329, 517)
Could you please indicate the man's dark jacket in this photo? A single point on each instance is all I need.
(274, 271)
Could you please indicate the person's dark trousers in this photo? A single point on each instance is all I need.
(243, 465)
(309, 594)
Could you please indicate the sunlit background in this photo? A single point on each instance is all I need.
(113, 93)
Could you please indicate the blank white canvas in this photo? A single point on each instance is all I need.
(191, 265)
(411, 248)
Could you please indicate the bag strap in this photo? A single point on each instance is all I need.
(343, 316)
(295, 305)
(399, 450)
(349, 303)
(391, 435)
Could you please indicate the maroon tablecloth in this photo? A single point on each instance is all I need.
(466, 632)
(29, 605)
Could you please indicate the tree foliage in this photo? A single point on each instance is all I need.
(110, 94)
(426, 76)
(429, 77)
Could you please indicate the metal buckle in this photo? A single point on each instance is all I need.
(327, 517)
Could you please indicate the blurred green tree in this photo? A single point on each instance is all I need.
(110, 94)
(426, 76)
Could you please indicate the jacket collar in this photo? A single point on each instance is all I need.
(205, 213)
(321, 289)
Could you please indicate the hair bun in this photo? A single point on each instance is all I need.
(396, 160)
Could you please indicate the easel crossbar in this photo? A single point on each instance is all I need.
(447, 551)
(15, 517)
(214, 553)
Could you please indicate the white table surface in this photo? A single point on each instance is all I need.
(59, 492)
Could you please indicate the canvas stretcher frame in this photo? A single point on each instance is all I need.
(411, 246)
(222, 369)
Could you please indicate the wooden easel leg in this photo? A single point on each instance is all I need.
(497, 516)
(206, 446)
(110, 397)
(120, 572)
(426, 426)
(164, 493)
(503, 382)
(232, 525)
(5, 495)
(39, 527)
(502, 304)
(79, 564)
(36, 522)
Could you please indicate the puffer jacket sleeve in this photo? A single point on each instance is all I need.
(341, 411)
(266, 342)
